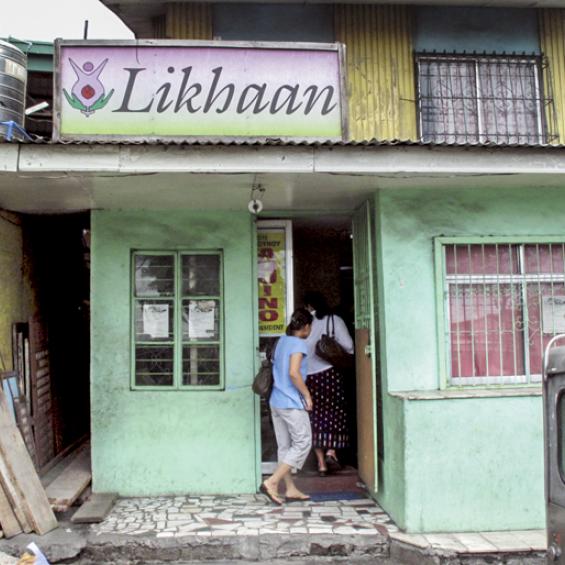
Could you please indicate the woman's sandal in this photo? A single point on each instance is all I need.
(304, 498)
(322, 472)
(274, 498)
(332, 462)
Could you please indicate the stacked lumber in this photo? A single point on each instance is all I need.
(24, 506)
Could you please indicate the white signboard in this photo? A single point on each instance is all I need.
(206, 90)
(156, 320)
(201, 319)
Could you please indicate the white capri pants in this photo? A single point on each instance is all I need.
(294, 435)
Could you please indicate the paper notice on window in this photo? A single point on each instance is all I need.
(202, 319)
(553, 314)
(156, 320)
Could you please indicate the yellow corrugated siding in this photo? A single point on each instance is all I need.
(380, 70)
(552, 36)
(160, 27)
(189, 21)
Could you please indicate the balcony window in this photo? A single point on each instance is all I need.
(480, 99)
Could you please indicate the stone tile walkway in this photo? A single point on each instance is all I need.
(475, 543)
(247, 515)
(254, 515)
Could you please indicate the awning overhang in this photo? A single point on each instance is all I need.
(49, 178)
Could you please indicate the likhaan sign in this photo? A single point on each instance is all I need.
(147, 90)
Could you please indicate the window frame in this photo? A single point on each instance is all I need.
(178, 341)
(533, 59)
(442, 311)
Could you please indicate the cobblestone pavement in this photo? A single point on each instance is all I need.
(242, 515)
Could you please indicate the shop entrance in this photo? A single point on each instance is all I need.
(331, 255)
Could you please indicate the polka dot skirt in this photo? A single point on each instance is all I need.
(329, 415)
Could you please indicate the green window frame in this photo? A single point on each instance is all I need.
(501, 296)
(177, 320)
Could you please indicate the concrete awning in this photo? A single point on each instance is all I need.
(65, 178)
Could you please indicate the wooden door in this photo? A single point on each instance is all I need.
(41, 396)
(365, 346)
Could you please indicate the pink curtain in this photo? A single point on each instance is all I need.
(486, 330)
(486, 316)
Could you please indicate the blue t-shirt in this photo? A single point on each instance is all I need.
(285, 394)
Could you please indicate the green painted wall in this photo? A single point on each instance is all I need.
(164, 442)
(11, 288)
(474, 465)
(452, 464)
(392, 468)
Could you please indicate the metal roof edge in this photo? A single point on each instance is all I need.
(275, 142)
(410, 160)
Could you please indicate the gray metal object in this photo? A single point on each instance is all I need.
(13, 77)
(554, 425)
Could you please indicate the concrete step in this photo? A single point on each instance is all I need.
(77, 545)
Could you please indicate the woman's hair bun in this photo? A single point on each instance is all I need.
(298, 320)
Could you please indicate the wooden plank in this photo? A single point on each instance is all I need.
(60, 456)
(27, 374)
(13, 496)
(10, 525)
(22, 475)
(66, 488)
(95, 509)
(25, 424)
(41, 381)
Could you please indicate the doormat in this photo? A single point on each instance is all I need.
(338, 495)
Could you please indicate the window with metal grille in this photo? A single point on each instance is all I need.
(481, 99)
(502, 304)
(177, 320)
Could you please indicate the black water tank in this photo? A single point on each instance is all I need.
(13, 76)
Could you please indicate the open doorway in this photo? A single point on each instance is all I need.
(56, 371)
(320, 258)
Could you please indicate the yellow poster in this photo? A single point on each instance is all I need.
(271, 250)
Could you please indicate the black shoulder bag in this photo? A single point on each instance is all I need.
(263, 381)
(330, 350)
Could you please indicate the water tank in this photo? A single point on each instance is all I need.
(13, 75)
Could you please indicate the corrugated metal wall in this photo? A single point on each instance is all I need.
(379, 61)
(159, 27)
(552, 38)
(380, 70)
(189, 21)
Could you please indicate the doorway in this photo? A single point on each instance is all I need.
(320, 257)
(58, 264)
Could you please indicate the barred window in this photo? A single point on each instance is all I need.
(177, 319)
(503, 303)
(480, 99)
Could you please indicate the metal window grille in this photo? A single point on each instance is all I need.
(503, 303)
(481, 99)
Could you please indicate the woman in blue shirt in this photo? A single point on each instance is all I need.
(290, 403)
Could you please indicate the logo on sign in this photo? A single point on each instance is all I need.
(88, 92)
